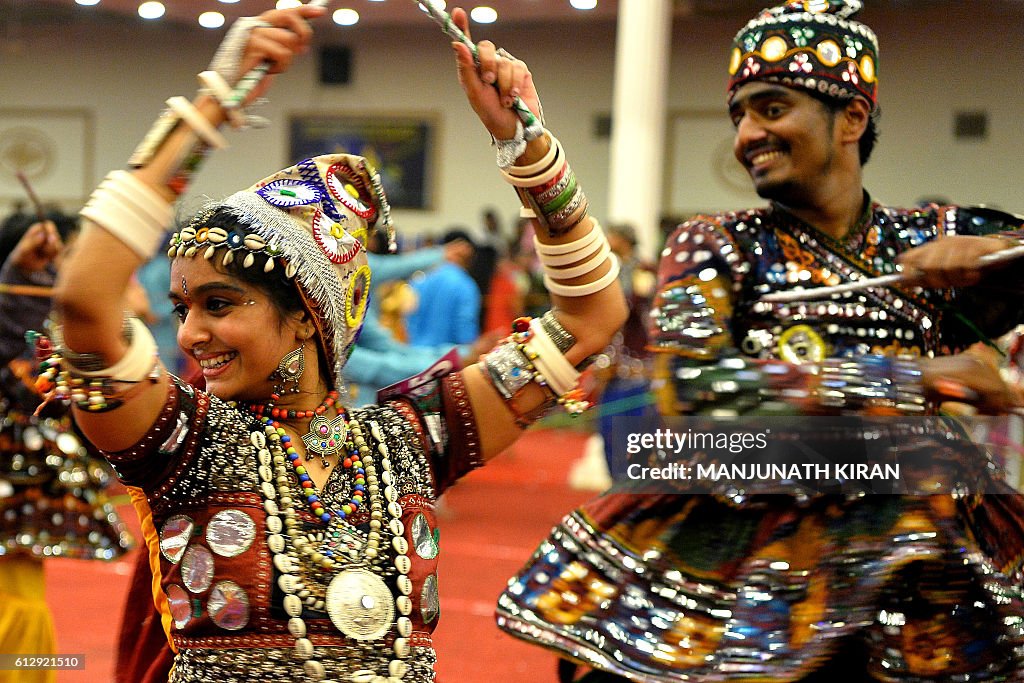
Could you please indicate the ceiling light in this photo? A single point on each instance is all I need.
(345, 17)
(583, 4)
(229, 2)
(287, 4)
(88, 3)
(211, 19)
(151, 10)
(483, 15)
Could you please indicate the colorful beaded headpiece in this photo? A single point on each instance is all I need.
(312, 221)
(811, 44)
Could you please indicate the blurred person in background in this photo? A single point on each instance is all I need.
(448, 300)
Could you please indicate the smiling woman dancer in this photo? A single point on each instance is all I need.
(296, 538)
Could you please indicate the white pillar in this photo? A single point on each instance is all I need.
(636, 179)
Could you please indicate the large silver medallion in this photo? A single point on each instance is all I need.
(360, 604)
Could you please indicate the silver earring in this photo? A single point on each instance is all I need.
(289, 370)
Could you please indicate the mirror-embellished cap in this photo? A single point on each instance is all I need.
(311, 221)
(810, 44)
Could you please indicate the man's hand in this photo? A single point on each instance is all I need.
(37, 248)
(972, 377)
(952, 261)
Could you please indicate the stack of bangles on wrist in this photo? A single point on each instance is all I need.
(535, 352)
(81, 378)
(549, 191)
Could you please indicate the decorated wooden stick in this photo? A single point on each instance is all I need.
(36, 204)
(883, 281)
(452, 31)
(256, 74)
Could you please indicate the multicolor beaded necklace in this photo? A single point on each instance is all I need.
(330, 436)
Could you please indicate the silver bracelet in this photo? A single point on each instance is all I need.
(509, 369)
(562, 337)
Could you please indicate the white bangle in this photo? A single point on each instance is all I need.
(199, 124)
(134, 366)
(148, 206)
(591, 264)
(215, 84)
(567, 247)
(538, 166)
(560, 375)
(585, 289)
(130, 210)
(557, 163)
(590, 243)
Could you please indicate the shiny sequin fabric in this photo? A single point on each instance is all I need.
(223, 576)
(54, 498)
(714, 587)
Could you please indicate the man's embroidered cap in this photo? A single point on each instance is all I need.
(811, 44)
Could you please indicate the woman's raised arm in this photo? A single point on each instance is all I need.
(118, 385)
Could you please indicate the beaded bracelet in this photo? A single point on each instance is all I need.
(100, 390)
(564, 383)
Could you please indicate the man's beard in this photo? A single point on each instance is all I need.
(784, 191)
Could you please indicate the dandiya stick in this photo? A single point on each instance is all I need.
(36, 204)
(883, 281)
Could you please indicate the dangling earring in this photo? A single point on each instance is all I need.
(289, 370)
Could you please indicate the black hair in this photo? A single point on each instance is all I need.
(17, 224)
(281, 290)
(866, 144)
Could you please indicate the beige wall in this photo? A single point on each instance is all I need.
(933, 63)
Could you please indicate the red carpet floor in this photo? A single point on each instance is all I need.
(490, 524)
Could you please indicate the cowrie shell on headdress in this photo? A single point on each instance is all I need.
(228, 257)
(190, 252)
(217, 235)
(290, 270)
(254, 242)
(209, 252)
(249, 260)
(268, 266)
